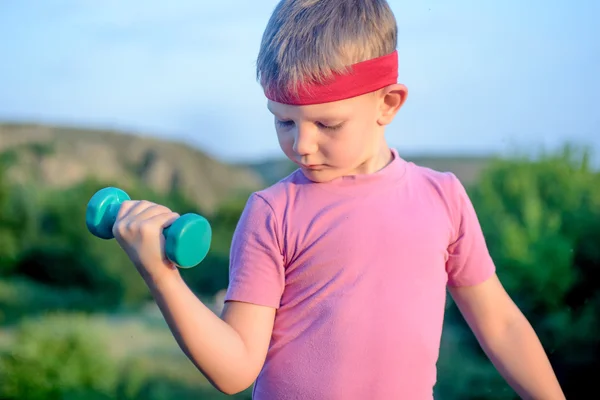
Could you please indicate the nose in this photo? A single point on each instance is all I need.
(304, 141)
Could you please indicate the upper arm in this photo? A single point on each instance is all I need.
(256, 279)
(256, 262)
(472, 279)
(254, 324)
(469, 262)
(487, 307)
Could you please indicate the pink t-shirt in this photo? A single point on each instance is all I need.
(357, 269)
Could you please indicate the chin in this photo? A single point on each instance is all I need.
(319, 176)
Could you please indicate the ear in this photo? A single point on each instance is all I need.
(392, 98)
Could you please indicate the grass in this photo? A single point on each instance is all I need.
(145, 339)
(143, 344)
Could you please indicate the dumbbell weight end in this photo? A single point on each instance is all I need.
(187, 239)
(102, 211)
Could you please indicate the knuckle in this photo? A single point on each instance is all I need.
(147, 228)
(161, 209)
(124, 208)
(115, 230)
(144, 204)
(131, 227)
(127, 204)
(119, 229)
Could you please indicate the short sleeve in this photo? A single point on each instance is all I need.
(256, 271)
(469, 261)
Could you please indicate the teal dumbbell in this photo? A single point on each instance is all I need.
(187, 240)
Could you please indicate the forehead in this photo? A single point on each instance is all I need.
(338, 109)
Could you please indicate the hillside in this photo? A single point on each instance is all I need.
(466, 168)
(59, 157)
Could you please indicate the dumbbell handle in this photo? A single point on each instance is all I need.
(112, 213)
(187, 239)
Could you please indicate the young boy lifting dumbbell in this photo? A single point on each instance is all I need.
(338, 273)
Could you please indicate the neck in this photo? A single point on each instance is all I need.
(378, 160)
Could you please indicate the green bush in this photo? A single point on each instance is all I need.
(51, 244)
(212, 274)
(12, 222)
(146, 379)
(541, 220)
(75, 357)
(58, 356)
(22, 297)
(45, 240)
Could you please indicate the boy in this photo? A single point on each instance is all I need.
(339, 272)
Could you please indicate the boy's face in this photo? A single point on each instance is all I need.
(341, 138)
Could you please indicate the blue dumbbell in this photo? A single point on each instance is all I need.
(187, 240)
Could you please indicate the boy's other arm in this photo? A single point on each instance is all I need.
(229, 351)
(508, 339)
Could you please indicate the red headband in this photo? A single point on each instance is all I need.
(362, 78)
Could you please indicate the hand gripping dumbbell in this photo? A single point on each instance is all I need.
(187, 240)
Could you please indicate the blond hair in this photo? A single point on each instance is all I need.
(309, 40)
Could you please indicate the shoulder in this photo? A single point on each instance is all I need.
(446, 183)
(263, 218)
(445, 186)
(278, 195)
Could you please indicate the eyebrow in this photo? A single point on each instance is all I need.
(322, 119)
(271, 111)
(274, 113)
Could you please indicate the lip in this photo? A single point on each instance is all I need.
(310, 166)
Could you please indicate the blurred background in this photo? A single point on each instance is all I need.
(160, 99)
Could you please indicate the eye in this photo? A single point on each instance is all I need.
(330, 127)
(284, 124)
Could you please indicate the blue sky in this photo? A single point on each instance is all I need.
(482, 76)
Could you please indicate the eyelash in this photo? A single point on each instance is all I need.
(286, 124)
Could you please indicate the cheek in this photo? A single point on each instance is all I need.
(344, 146)
(285, 139)
(351, 144)
(286, 142)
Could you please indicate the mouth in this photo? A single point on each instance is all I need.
(313, 167)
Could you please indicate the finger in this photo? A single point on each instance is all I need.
(132, 213)
(121, 223)
(150, 212)
(126, 208)
(163, 220)
(157, 223)
(140, 218)
(130, 209)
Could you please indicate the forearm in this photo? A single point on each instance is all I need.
(216, 348)
(517, 353)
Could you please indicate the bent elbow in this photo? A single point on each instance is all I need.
(232, 385)
(233, 388)
(232, 377)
